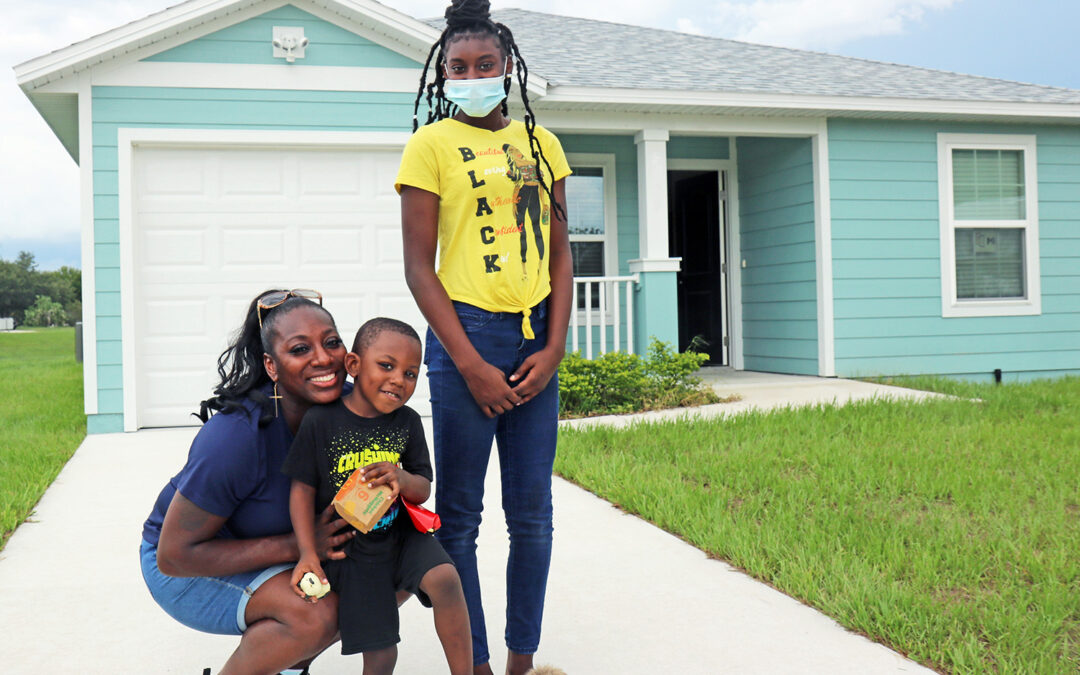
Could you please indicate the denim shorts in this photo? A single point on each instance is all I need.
(207, 604)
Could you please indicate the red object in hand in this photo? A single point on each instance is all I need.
(425, 521)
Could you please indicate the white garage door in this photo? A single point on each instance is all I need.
(213, 227)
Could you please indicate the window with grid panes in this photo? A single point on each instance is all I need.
(585, 213)
(988, 185)
(990, 225)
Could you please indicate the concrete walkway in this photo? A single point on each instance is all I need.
(624, 597)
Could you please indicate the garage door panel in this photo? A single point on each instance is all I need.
(176, 175)
(176, 319)
(389, 252)
(174, 247)
(333, 176)
(214, 227)
(339, 245)
(262, 174)
(262, 247)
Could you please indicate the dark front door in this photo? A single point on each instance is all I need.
(695, 231)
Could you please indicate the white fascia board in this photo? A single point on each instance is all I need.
(129, 37)
(608, 122)
(196, 18)
(400, 26)
(802, 102)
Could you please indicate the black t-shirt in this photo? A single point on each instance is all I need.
(333, 441)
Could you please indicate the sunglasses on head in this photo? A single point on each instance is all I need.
(272, 299)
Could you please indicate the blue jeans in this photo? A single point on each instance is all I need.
(526, 441)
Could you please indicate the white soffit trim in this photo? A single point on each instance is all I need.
(670, 97)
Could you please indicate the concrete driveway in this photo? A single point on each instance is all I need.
(624, 597)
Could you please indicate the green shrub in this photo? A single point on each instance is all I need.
(618, 382)
(45, 312)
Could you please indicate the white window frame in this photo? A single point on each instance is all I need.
(951, 306)
(606, 163)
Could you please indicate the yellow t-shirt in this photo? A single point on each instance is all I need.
(494, 216)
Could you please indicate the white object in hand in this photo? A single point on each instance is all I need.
(312, 586)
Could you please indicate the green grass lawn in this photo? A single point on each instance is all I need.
(41, 417)
(948, 530)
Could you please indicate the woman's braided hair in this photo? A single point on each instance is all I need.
(467, 19)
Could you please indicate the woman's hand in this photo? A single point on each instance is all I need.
(382, 473)
(489, 388)
(535, 372)
(307, 564)
(328, 535)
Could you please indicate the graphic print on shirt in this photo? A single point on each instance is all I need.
(527, 200)
(351, 449)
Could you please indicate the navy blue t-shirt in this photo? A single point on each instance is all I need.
(233, 470)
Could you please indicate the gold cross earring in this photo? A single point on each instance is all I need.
(276, 398)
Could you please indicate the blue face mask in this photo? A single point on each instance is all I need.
(476, 98)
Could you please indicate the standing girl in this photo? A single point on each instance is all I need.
(487, 192)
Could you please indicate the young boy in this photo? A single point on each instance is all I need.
(371, 428)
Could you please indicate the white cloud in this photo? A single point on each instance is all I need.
(817, 24)
(39, 182)
(684, 25)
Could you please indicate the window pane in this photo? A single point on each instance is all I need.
(989, 263)
(588, 258)
(588, 262)
(988, 184)
(585, 201)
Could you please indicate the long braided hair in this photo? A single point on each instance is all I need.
(468, 19)
(240, 366)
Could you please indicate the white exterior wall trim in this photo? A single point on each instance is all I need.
(259, 76)
(735, 267)
(823, 252)
(129, 139)
(89, 274)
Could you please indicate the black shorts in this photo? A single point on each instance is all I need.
(375, 567)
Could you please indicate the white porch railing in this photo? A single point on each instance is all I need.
(608, 313)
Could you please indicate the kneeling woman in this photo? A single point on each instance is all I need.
(218, 547)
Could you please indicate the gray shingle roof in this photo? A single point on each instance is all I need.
(588, 53)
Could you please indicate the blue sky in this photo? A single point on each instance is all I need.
(1031, 41)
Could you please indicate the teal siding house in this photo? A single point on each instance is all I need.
(785, 211)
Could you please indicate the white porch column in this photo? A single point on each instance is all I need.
(652, 193)
(656, 299)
